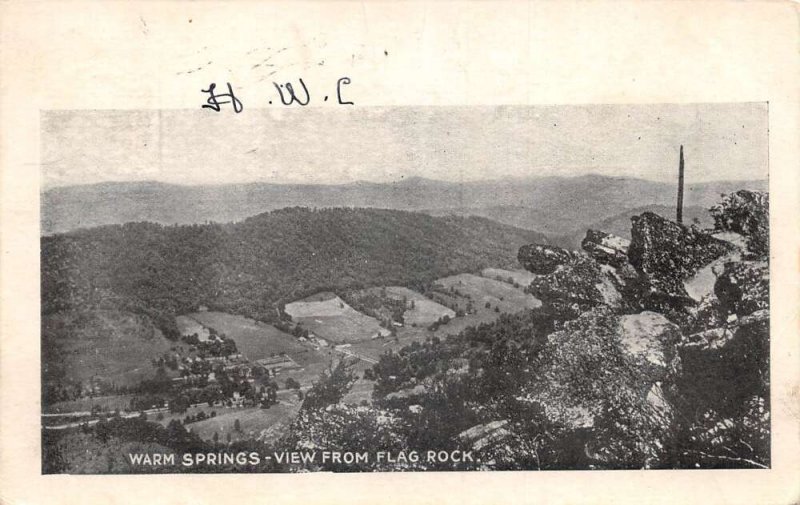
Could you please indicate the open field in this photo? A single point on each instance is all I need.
(481, 290)
(425, 310)
(257, 340)
(113, 346)
(261, 424)
(459, 324)
(308, 374)
(359, 393)
(522, 277)
(333, 320)
(104, 403)
(187, 326)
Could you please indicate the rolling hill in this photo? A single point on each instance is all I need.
(253, 267)
(551, 205)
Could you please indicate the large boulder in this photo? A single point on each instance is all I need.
(649, 337)
(575, 287)
(606, 248)
(665, 254)
(745, 213)
(605, 372)
(543, 259)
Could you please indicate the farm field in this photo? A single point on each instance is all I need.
(333, 320)
(108, 345)
(425, 310)
(188, 325)
(257, 340)
(308, 374)
(360, 392)
(104, 403)
(522, 277)
(257, 423)
(459, 324)
(481, 290)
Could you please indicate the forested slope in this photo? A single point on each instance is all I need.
(253, 267)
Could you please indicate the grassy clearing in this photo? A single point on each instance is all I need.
(187, 326)
(256, 423)
(257, 340)
(104, 403)
(425, 310)
(115, 346)
(481, 290)
(346, 328)
(522, 278)
(332, 319)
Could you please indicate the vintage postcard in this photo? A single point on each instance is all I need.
(259, 260)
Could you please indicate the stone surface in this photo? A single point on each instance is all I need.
(665, 254)
(575, 287)
(601, 368)
(606, 248)
(543, 259)
(649, 336)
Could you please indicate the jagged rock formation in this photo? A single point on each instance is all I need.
(665, 254)
(639, 381)
(604, 372)
(606, 248)
(576, 286)
(648, 354)
(543, 259)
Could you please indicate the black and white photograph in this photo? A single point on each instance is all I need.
(243, 288)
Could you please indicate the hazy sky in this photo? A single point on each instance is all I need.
(345, 144)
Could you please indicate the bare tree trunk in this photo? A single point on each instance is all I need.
(679, 216)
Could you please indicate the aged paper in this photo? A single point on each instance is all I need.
(387, 252)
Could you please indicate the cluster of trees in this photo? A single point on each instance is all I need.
(439, 322)
(379, 305)
(216, 347)
(200, 416)
(332, 385)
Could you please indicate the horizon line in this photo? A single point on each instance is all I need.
(45, 187)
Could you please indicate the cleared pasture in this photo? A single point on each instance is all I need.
(424, 312)
(112, 346)
(256, 423)
(342, 329)
(188, 325)
(104, 403)
(333, 320)
(522, 277)
(257, 340)
(482, 290)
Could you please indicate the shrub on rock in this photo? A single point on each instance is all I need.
(746, 213)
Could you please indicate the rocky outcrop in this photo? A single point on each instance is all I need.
(484, 435)
(665, 254)
(605, 248)
(604, 372)
(544, 259)
(575, 287)
(652, 333)
(745, 213)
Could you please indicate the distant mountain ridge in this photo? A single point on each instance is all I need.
(551, 205)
